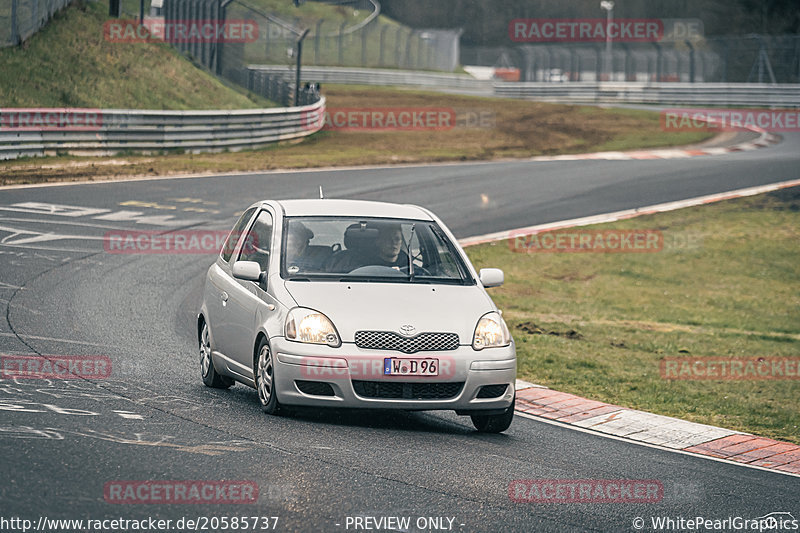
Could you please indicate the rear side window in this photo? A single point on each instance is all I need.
(236, 232)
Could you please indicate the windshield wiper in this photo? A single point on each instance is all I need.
(408, 253)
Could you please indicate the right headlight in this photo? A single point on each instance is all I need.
(307, 325)
(491, 332)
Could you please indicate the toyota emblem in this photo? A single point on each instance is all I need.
(407, 329)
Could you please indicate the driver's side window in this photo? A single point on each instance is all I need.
(258, 240)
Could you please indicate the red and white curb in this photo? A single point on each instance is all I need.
(658, 430)
(638, 426)
(765, 139)
(627, 213)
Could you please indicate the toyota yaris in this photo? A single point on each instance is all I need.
(343, 303)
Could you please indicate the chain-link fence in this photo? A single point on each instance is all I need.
(236, 29)
(19, 19)
(757, 58)
(363, 40)
(752, 58)
(369, 42)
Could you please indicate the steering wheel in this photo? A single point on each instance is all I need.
(418, 270)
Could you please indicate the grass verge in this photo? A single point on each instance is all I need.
(70, 64)
(490, 128)
(725, 285)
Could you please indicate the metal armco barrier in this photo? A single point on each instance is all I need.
(679, 94)
(119, 130)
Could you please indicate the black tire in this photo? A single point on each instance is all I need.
(494, 423)
(211, 377)
(264, 373)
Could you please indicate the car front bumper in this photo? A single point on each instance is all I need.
(355, 378)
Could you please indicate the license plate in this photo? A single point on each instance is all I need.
(395, 366)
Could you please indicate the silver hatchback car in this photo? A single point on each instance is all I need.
(355, 304)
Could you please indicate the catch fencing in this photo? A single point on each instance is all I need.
(726, 59)
(706, 94)
(19, 19)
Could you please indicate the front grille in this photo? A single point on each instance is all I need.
(492, 391)
(423, 342)
(314, 388)
(407, 391)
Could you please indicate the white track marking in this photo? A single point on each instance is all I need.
(54, 339)
(41, 208)
(141, 218)
(60, 222)
(29, 237)
(628, 213)
(129, 415)
(639, 443)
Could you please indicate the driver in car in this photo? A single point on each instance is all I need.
(385, 249)
(389, 247)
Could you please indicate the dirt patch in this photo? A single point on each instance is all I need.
(533, 329)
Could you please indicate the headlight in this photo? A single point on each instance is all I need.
(491, 331)
(307, 325)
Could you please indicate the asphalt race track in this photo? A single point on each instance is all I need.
(63, 441)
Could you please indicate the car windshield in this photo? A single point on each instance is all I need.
(370, 249)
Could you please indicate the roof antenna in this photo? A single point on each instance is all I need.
(321, 196)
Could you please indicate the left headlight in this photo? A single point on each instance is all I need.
(491, 332)
(307, 325)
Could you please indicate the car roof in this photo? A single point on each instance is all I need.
(356, 208)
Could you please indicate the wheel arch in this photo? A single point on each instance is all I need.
(261, 335)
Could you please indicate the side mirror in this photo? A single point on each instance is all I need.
(247, 270)
(491, 277)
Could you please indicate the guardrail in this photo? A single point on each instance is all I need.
(375, 76)
(683, 94)
(718, 94)
(39, 132)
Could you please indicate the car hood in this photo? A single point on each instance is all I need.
(388, 306)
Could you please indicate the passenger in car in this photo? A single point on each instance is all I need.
(300, 255)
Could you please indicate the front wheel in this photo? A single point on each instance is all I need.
(494, 423)
(265, 380)
(210, 375)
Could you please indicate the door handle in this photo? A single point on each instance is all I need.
(224, 298)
